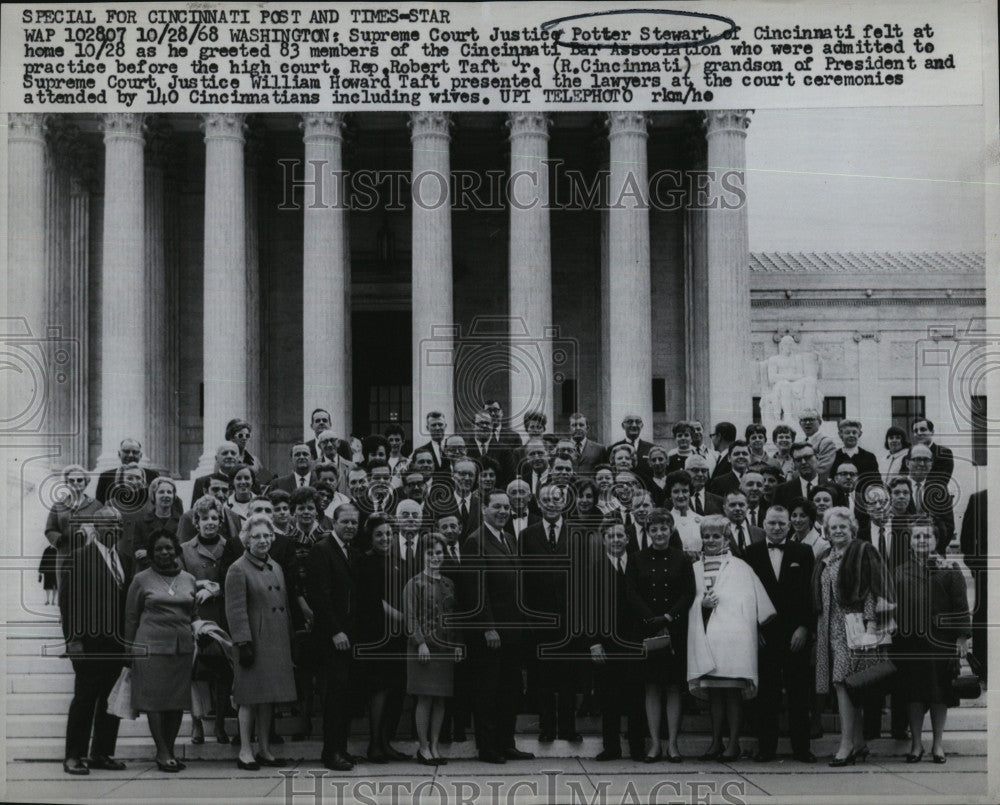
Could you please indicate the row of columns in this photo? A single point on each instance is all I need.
(131, 354)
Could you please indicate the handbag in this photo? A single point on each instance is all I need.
(872, 675)
(858, 638)
(120, 698)
(967, 686)
(657, 643)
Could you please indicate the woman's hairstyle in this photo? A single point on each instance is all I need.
(656, 449)
(610, 521)
(374, 521)
(659, 517)
(235, 426)
(204, 505)
(779, 429)
(822, 488)
(162, 533)
(840, 513)
(894, 431)
(429, 540)
(807, 506)
(580, 484)
(303, 494)
(714, 522)
(926, 521)
(69, 469)
(487, 463)
(277, 496)
(253, 521)
(752, 428)
(679, 477)
(157, 482)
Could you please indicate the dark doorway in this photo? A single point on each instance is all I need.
(382, 371)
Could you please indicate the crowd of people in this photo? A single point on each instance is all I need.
(489, 574)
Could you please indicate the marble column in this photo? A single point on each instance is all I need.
(25, 291)
(727, 270)
(433, 312)
(79, 269)
(531, 375)
(124, 327)
(696, 286)
(225, 295)
(161, 385)
(325, 267)
(255, 407)
(629, 370)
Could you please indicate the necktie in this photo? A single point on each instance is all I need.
(302, 481)
(809, 489)
(699, 509)
(621, 565)
(881, 540)
(552, 535)
(465, 511)
(451, 552)
(918, 497)
(741, 537)
(116, 570)
(640, 537)
(409, 549)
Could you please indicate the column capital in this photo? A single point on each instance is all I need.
(627, 122)
(26, 126)
(123, 125)
(323, 125)
(528, 123)
(429, 124)
(223, 126)
(732, 120)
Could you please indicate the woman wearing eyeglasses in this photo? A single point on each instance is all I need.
(71, 503)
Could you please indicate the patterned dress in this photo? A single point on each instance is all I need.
(834, 661)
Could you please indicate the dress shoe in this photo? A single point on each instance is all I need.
(674, 758)
(862, 754)
(712, 754)
(376, 755)
(545, 737)
(221, 737)
(394, 754)
(355, 759)
(274, 763)
(459, 737)
(804, 757)
(573, 737)
(106, 763)
(492, 757)
(253, 765)
(173, 766)
(422, 758)
(652, 758)
(517, 754)
(337, 762)
(440, 761)
(939, 758)
(74, 765)
(607, 754)
(838, 762)
(915, 758)
(764, 757)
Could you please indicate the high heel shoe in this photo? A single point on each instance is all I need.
(731, 756)
(653, 758)
(861, 755)
(838, 762)
(939, 758)
(915, 758)
(427, 761)
(712, 754)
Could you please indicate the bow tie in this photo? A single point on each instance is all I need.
(776, 546)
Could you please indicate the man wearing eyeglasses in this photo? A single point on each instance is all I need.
(129, 452)
(824, 446)
(807, 468)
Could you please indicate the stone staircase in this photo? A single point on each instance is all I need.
(39, 685)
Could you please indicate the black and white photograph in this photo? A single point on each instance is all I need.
(498, 402)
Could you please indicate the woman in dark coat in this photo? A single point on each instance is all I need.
(159, 514)
(207, 557)
(71, 506)
(160, 608)
(380, 635)
(260, 625)
(661, 591)
(934, 627)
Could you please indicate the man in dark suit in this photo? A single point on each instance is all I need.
(657, 464)
(739, 462)
(484, 443)
(458, 709)
(93, 619)
(494, 631)
(617, 659)
(889, 532)
(807, 466)
(436, 425)
(301, 474)
(845, 483)
(785, 569)
(741, 534)
(545, 546)
(974, 551)
(535, 467)
(632, 425)
(129, 452)
(462, 498)
(227, 459)
(332, 581)
(502, 435)
(320, 422)
(409, 521)
(930, 493)
(702, 501)
(752, 487)
(943, 462)
(722, 439)
(865, 462)
(521, 515)
(588, 452)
